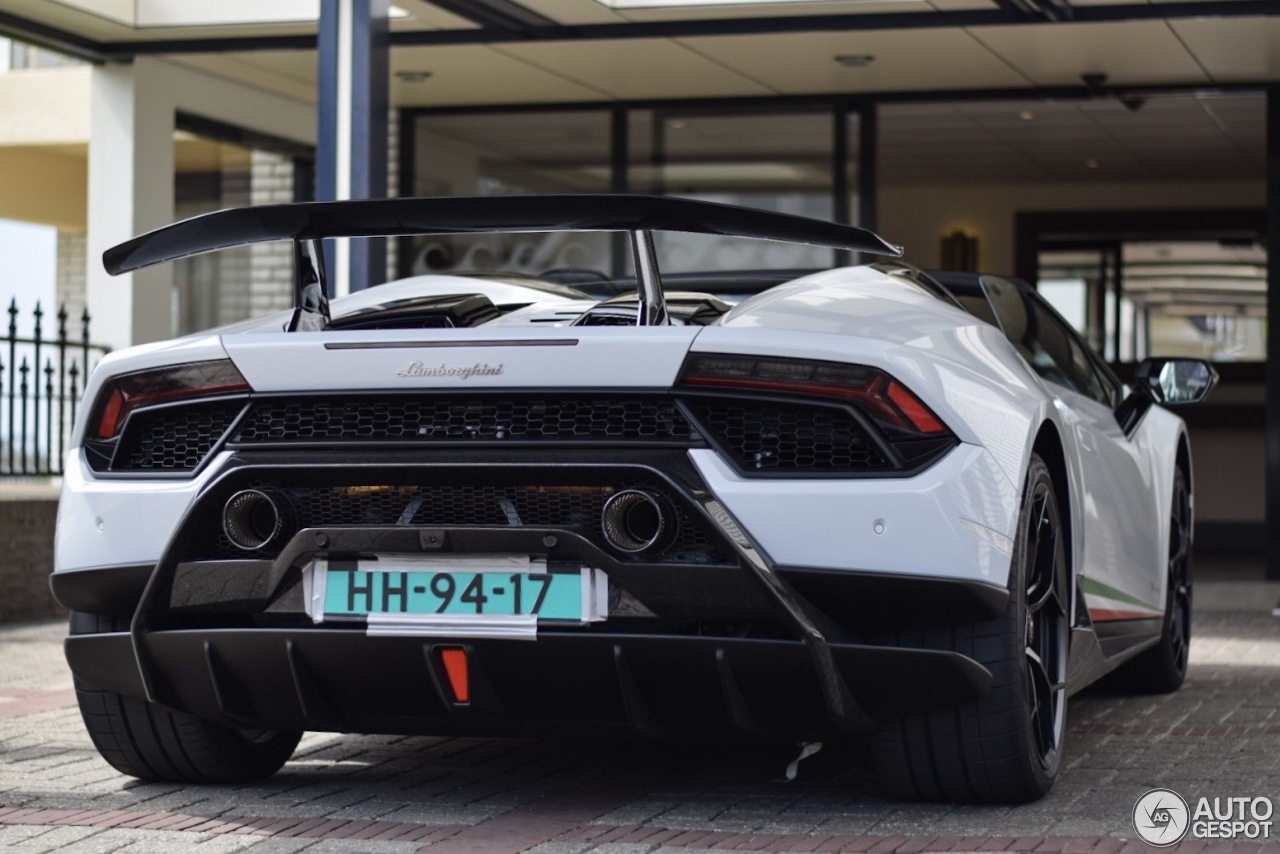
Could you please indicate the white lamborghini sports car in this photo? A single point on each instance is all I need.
(864, 500)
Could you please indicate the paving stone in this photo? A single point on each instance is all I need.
(1220, 736)
(622, 848)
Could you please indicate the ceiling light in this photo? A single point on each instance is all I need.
(854, 60)
(397, 13)
(1026, 115)
(1132, 103)
(1094, 80)
(413, 76)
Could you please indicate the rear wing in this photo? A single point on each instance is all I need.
(306, 224)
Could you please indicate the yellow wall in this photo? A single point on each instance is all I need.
(44, 136)
(45, 187)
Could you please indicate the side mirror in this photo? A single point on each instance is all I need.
(1176, 381)
(1170, 382)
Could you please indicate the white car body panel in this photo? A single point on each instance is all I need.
(517, 358)
(104, 522)
(961, 368)
(955, 520)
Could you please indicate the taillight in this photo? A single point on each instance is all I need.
(877, 395)
(125, 393)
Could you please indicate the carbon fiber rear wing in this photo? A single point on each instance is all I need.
(306, 224)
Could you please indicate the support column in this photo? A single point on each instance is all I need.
(1273, 334)
(130, 191)
(841, 210)
(619, 182)
(351, 152)
(868, 165)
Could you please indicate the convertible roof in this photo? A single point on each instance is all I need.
(475, 214)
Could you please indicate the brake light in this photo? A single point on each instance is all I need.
(125, 393)
(878, 395)
(917, 413)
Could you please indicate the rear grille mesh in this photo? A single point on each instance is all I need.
(759, 435)
(768, 436)
(419, 419)
(173, 438)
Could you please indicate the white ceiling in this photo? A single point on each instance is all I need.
(1213, 134)
(1197, 51)
(1202, 52)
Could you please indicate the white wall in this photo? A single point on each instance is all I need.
(131, 175)
(44, 106)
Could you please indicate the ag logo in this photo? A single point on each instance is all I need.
(1161, 817)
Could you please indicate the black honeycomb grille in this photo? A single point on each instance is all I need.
(575, 508)
(174, 438)
(785, 437)
(426, 419)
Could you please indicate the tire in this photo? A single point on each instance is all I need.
(1007, 746)
(1163, 668)
(151, 742)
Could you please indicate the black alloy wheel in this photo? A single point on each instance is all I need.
(1047, 626)
(1005, 747)
(1179, 595)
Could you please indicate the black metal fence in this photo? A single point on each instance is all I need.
(41, 379)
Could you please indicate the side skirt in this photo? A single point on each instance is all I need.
(1100, 648)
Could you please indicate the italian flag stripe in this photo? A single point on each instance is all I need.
(1106, 603)
(1105, 615)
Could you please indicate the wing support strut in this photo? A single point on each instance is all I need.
(310, 288)
(653, 305)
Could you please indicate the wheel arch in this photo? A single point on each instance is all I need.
(1183, 461)
(1048, 446)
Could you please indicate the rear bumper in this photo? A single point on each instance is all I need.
(730, 643)
(663, 686)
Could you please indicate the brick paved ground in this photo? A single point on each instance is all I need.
(1219, 736)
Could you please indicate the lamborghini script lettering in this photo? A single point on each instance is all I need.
(462, 372)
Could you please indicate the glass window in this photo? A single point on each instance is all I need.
(776, 161)
(1195, 298)
(1049, 345)
(218, 288)
(545, 151)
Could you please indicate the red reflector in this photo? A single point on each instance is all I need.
(109, 424)
(920, 417)
(454, 661)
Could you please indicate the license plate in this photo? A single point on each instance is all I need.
(545, 595)
(498, 596)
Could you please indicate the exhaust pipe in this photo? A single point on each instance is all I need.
(638, 522)
(253, 519)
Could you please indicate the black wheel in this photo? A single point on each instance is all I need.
(1007, 746)
(151, 742)
(1163, 667)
